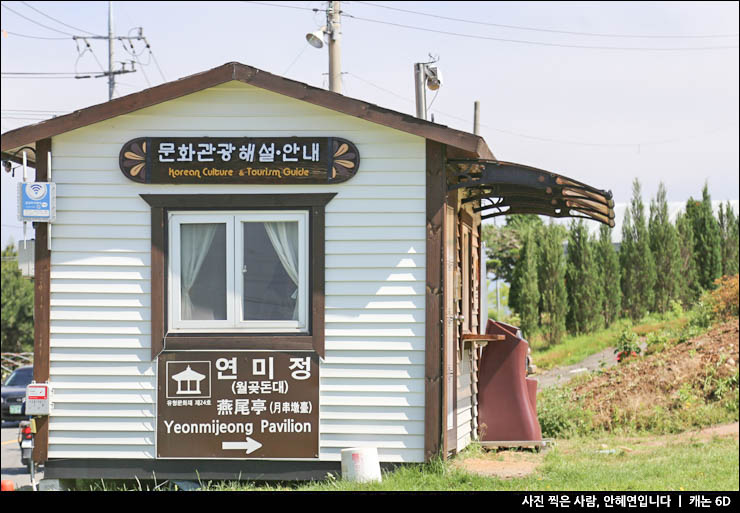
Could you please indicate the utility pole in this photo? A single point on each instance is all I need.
(111, 73)
(333, 29)
(476, 131)
(426, 75)
(421, 92)
(476, 117)
(111, 76)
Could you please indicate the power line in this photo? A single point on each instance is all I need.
(156, 62)
(34, 111)
(549, 139)
(45, 72)
(284, 6)
(305, 46)
(25, 119)
(519, 27)
(54, 19)
(36, 22)
(33, 37)
(52, 78)
(537, 43)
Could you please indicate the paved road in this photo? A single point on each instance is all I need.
(11, 457)
(560, 375)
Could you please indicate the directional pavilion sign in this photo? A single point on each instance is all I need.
(238, 404)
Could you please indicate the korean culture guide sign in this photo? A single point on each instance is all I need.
(241, 404)
(245, 160)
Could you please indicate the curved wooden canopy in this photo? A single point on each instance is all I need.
(506, 188)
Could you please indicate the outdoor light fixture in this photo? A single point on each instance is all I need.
(426, 74)
(434, 77)
(316, 39)
(333, 31)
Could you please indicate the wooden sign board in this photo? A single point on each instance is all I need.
(238, 405)
(239, 160)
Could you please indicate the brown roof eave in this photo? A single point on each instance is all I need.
(468, 143)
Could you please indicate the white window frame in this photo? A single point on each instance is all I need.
(234, 281)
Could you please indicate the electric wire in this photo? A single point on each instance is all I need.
(305, 46)
(519, 27)
(60, 22)
(156, 62)
(49, 78)
(35, 37)
(36, 22)
(516, 41)
(34, 111)
(540, 43)
(550, 139)
(284, 6)
(45, 72)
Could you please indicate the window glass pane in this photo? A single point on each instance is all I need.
(203, 271)
(270, 271)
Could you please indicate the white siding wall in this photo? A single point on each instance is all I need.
(465, 421)
(372, 381)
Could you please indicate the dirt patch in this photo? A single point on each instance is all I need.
(501, 464)
(700, 369)
(732, 430)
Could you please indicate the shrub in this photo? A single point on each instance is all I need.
(628, 345)
(723, 301)
(560, 414)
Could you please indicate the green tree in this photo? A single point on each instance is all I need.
(728, 227)
(525, 278)
(636, 260)
(504, 244)
(17, 305)
(666, 253)
(707, 243)
(689, 289)
(608, 264)
(582, 281)
(553, 295)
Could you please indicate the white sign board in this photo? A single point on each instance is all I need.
(37, 202)
(38, 399)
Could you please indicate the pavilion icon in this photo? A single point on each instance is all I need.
(188, 382)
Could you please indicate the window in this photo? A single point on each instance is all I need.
(239, 271)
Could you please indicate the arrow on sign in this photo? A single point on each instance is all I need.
(250, 445)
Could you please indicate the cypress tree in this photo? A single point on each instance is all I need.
(608, 264)
(516, 226)
(728, 227)
(636, 260)
(525, 274)
(707, 244)
(666, 253)
(553, 296)
(689, 288)
(582, 281)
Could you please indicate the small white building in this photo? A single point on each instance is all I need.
(314, 257)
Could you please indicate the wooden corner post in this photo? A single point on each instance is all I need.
(436, 193)
(41, 305)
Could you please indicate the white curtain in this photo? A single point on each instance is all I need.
(195, 243)
(284, 239)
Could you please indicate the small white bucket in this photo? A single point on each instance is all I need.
(360, 464)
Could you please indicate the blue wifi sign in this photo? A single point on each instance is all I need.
(37, 201)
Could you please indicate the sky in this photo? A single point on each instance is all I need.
(602, 92)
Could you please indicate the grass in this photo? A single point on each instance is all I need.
(575, 348)
(606, 463)
(634, 452)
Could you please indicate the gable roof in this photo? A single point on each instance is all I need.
(469, 145)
